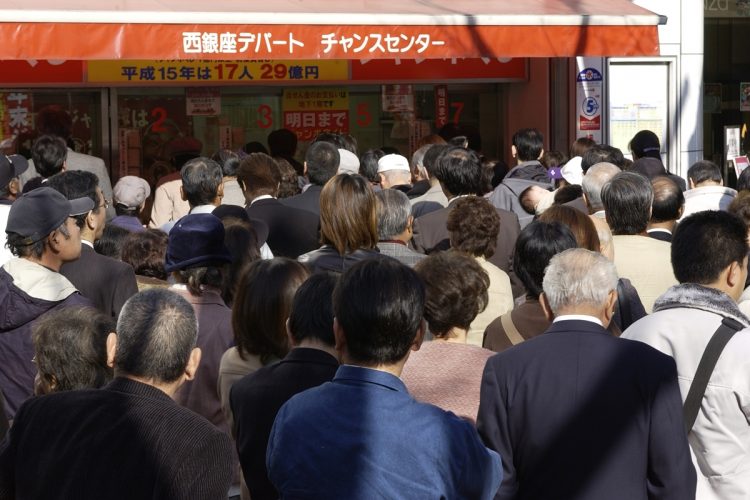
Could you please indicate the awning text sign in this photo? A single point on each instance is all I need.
(108, 41)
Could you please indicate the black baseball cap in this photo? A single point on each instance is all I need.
(11, 167)
(37, 213)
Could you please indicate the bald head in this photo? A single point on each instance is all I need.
(668, 200)
(593, 182)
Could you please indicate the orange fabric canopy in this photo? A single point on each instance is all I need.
(324, 29)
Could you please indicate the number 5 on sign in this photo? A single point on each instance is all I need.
(265, 116)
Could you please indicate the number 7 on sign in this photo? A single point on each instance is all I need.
(459, 107)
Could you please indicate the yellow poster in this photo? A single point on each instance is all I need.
(200, 72)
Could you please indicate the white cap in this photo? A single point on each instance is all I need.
(348, 163)
(131, 191)
(393, 162)
(572, 171)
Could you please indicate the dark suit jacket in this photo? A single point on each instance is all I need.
(578, 414)
(661, 236)
(431, 234)
(309, 200)
(291, 231)
(105, 281)
(127, 440)
(257, 398)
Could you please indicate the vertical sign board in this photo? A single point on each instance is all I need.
(589, 98)
(441, 106)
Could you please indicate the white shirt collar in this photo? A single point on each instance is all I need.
(202, 209)
(578, 317)
(659, 230)
(87, 242)
(262, 197)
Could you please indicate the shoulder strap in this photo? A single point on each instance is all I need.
(511, 331)
(706, 366)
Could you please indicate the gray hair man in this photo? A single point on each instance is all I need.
(395, 226)
(593, 182)
(615, 402)
(645, 261)
(128, 439)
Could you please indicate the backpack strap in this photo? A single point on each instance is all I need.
(706, 367)
(511, 331)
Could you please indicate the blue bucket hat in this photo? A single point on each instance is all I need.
(196, 240)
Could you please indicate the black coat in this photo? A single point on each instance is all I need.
(291, 231)
(257, 398)
(126, 441)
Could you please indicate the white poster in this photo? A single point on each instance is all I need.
(589, 98)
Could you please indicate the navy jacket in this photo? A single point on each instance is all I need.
(291, 231)
(362, 436)
(578, 414)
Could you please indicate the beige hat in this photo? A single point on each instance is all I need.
(393, 162)
(131, 191)
(348, 163)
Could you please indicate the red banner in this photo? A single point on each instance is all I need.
(513, 69)
(114, 41)
(28, 72)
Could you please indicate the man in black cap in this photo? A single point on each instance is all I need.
(43, 235)
(10, 188)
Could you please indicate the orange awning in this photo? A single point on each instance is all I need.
(324, 29)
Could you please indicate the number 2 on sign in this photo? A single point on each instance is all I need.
(265, 116)
(161, 115)
(459, 106)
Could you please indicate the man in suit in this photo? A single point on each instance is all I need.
(666, 209)
(291, 231)
(395, 226)
(107, 282)
(577, 413)
(128, 440)
(460, 173)
(255, 400)
(362, 435)
(645, 261)
(321, 163)
(54, 120)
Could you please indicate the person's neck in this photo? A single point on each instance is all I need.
(434, 182)
(707, 184)
(312, 343)
(394, 369)
(668, 225)
(168, 388)
(456, 335)
(89, 236)
(48, 259)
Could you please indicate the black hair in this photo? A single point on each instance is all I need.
(706, 243)
(322, 160)
(668, 199)
(568, 193)
(229, 161)
(281, 142)
(431, 157)
(535, 247)
(49, 153)
(627, 200)
(311, 316)
(743, 181)
(459, 170)
(77, 184)
(112, 241)
(330, 138)
(704, 170)
(368, 165)
(201, 178)
(602, 153)
(256, 147)
(379, 305)
(529, 143)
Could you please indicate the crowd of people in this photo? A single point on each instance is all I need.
(367, 325)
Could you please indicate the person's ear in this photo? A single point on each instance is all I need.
(14, 187)
(182, 194)
(111, 348)
(546, 308)
(681, 211)
(419, 337)
(339, 337)
(410, 223)
(609, 308)
(691, 184)
(289, 336)
(304, 170)
(91, 220)
(541, 153)
(734, 274)
(193, 362)
(220, 190)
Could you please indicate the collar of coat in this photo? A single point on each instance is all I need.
(694, 296)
